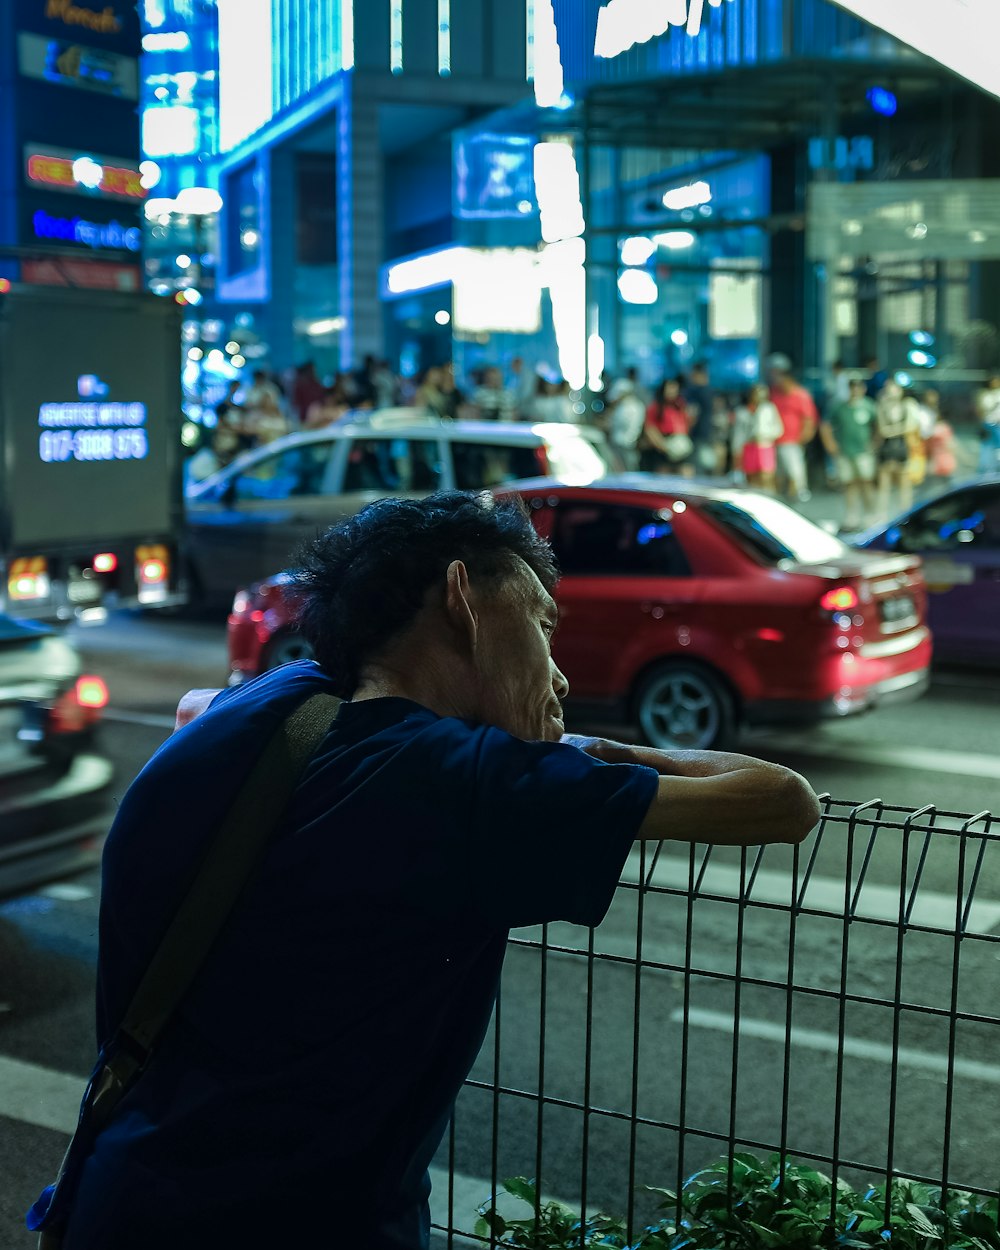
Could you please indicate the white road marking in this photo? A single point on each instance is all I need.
(40, 1096)
(814, 1039)
(67, 892)
(877, 902)
(153, 719)
(919, 759)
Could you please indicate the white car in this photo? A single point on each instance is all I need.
(245, 520)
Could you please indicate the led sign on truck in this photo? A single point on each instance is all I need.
(92, 429)
(962, 35)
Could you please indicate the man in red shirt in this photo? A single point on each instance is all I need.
(799, 417)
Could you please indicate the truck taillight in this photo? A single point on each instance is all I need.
(28, 579)
(152, 572)
(79, 707)
(105, 562)
(91, 692)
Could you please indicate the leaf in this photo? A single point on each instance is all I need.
(767, 1235)
(522, 1188)
(924, 1225)
(667, 1194)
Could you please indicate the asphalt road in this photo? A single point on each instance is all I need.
(942, 751)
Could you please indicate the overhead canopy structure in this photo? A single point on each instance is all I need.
(962, 35)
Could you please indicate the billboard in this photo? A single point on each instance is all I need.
(962, 35)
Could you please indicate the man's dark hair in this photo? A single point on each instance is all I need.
(364, 580)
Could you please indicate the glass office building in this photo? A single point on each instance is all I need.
(587, 184)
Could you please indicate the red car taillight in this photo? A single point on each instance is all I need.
(840, 599)
(79, 707)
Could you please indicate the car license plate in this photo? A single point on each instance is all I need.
(83, 590)
(893, 611)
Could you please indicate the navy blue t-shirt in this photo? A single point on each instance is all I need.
(315, 1061)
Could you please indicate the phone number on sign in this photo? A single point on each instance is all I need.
(56, 445)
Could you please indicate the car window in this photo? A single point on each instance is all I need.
(773, 531)
(287, 474)
(394, 465)
(969, 518)
(615, 540)
(480, 465)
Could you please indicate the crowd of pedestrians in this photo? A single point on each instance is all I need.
(868, 437)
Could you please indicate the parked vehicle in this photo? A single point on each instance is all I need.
(245, 520)
(54, 783)
(957, 535)
(91, 497)
(689, 610)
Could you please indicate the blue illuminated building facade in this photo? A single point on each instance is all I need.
(423, 179)
(71, 190)
(331, 152)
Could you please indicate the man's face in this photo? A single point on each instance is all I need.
(519, 687)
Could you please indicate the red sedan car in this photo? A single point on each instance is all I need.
(688, 609)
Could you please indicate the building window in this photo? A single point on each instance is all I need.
(444, 37)
(396, 36)
(243, 223)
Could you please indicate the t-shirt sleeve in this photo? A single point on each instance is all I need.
(552, 828)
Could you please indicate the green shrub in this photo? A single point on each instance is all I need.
(745, 1204)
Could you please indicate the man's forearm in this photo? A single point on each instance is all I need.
(666, 763)
(719, 797)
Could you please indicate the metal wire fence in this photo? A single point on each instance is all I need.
(833, 1005)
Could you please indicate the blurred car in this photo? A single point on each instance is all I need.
(53, 781)
(957, 535)
(688, 610)
(245, 520)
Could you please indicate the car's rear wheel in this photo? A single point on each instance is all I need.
(285, 646)
(680, 705)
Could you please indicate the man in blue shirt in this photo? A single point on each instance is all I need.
(313, 1065)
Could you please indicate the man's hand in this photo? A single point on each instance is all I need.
(192, 705)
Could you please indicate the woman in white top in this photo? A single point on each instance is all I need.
(988, 408)
(757, 426)
(897, 421)
(552, 401)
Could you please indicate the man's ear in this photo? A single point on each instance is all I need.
(458, 604)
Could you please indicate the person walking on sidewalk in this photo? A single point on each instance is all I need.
(849, 436)
(628, 416)
(799, 418)
(756, 429)
(309, 1076)
(668, 446)
(988, 411)
(897, 421)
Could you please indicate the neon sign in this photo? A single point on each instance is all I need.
(104, 22)
(624, 23)
(64, 172)
(92, 431)
(110, 234)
